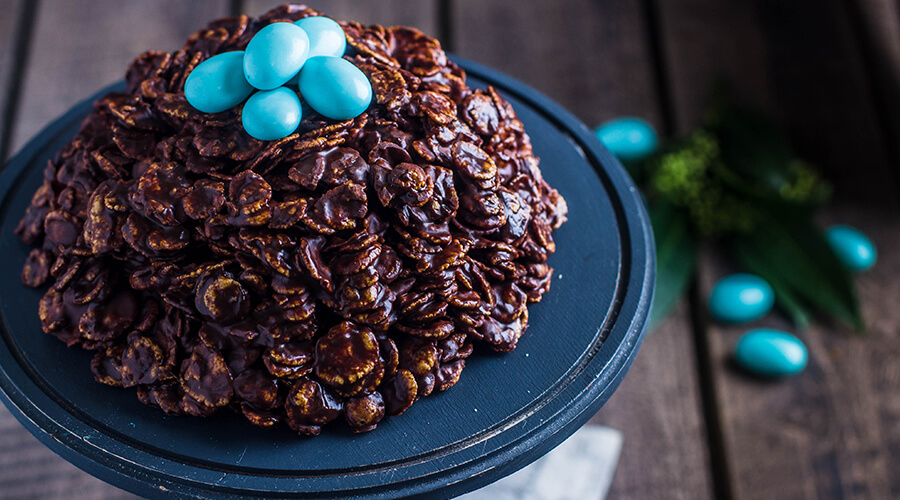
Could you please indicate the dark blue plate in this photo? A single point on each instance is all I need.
(506, 411)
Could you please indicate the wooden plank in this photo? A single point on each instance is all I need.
(826, 434)
(28, 470)
(591, 57)
(78, 47)
(796, 61)
(879, 29)
(707, 40)
(827, 104)
(830, 432)
(595, 59)
(9, 30)
(657, 409)
(421, 14)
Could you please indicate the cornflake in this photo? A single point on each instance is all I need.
(345, 270)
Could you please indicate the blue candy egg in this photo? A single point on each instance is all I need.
(334, 87)
(272, 114)
(326, 37)
(741, 297)
(630, 139)
(275, 55)
(218, 84)
(771, 353)
(854, 249)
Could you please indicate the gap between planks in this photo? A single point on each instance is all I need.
(673, 125)
(733, 38)
(876, 27)
(831, 431)
(24, 13)
(68, 60)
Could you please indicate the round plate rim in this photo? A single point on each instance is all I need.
(96, 454)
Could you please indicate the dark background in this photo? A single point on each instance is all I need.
(827, 70)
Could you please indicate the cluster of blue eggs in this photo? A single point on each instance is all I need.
(306, 54)
(740, 298)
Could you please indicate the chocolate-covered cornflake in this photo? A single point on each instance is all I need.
(343, 271)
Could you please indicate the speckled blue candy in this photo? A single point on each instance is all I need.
(741, 297)
(771, 353)
(218, 84)
(326, 37)
(630, 139)
(272, 114)
(275, 55)
(334, 87)
(855, 250)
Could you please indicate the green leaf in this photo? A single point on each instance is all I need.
(676, 258)
(793, 253)
(785, 297)
(759, 159)
(754, 147)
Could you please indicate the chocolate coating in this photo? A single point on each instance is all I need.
(345, 270)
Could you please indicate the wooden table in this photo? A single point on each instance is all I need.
(828, 70)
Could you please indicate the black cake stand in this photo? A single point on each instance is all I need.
(506, 410)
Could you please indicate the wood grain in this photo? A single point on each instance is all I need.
(829, 432)
(826, 103)
(421, 14)
(9, 30)
(879, 30)
(29, 470)
(798, 62)
(832, 431)
(78, 47)
(591, 57)
(707, 40)
(657, 409)
(594, 58)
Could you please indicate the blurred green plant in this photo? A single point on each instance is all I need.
(736, 181)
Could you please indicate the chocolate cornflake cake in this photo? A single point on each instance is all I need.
(344, 270)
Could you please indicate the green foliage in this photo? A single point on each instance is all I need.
(688, 176)
(803, 185)
(785, 297)
(760, 162)
(736, 180)
(676, 258)
(793, 255)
